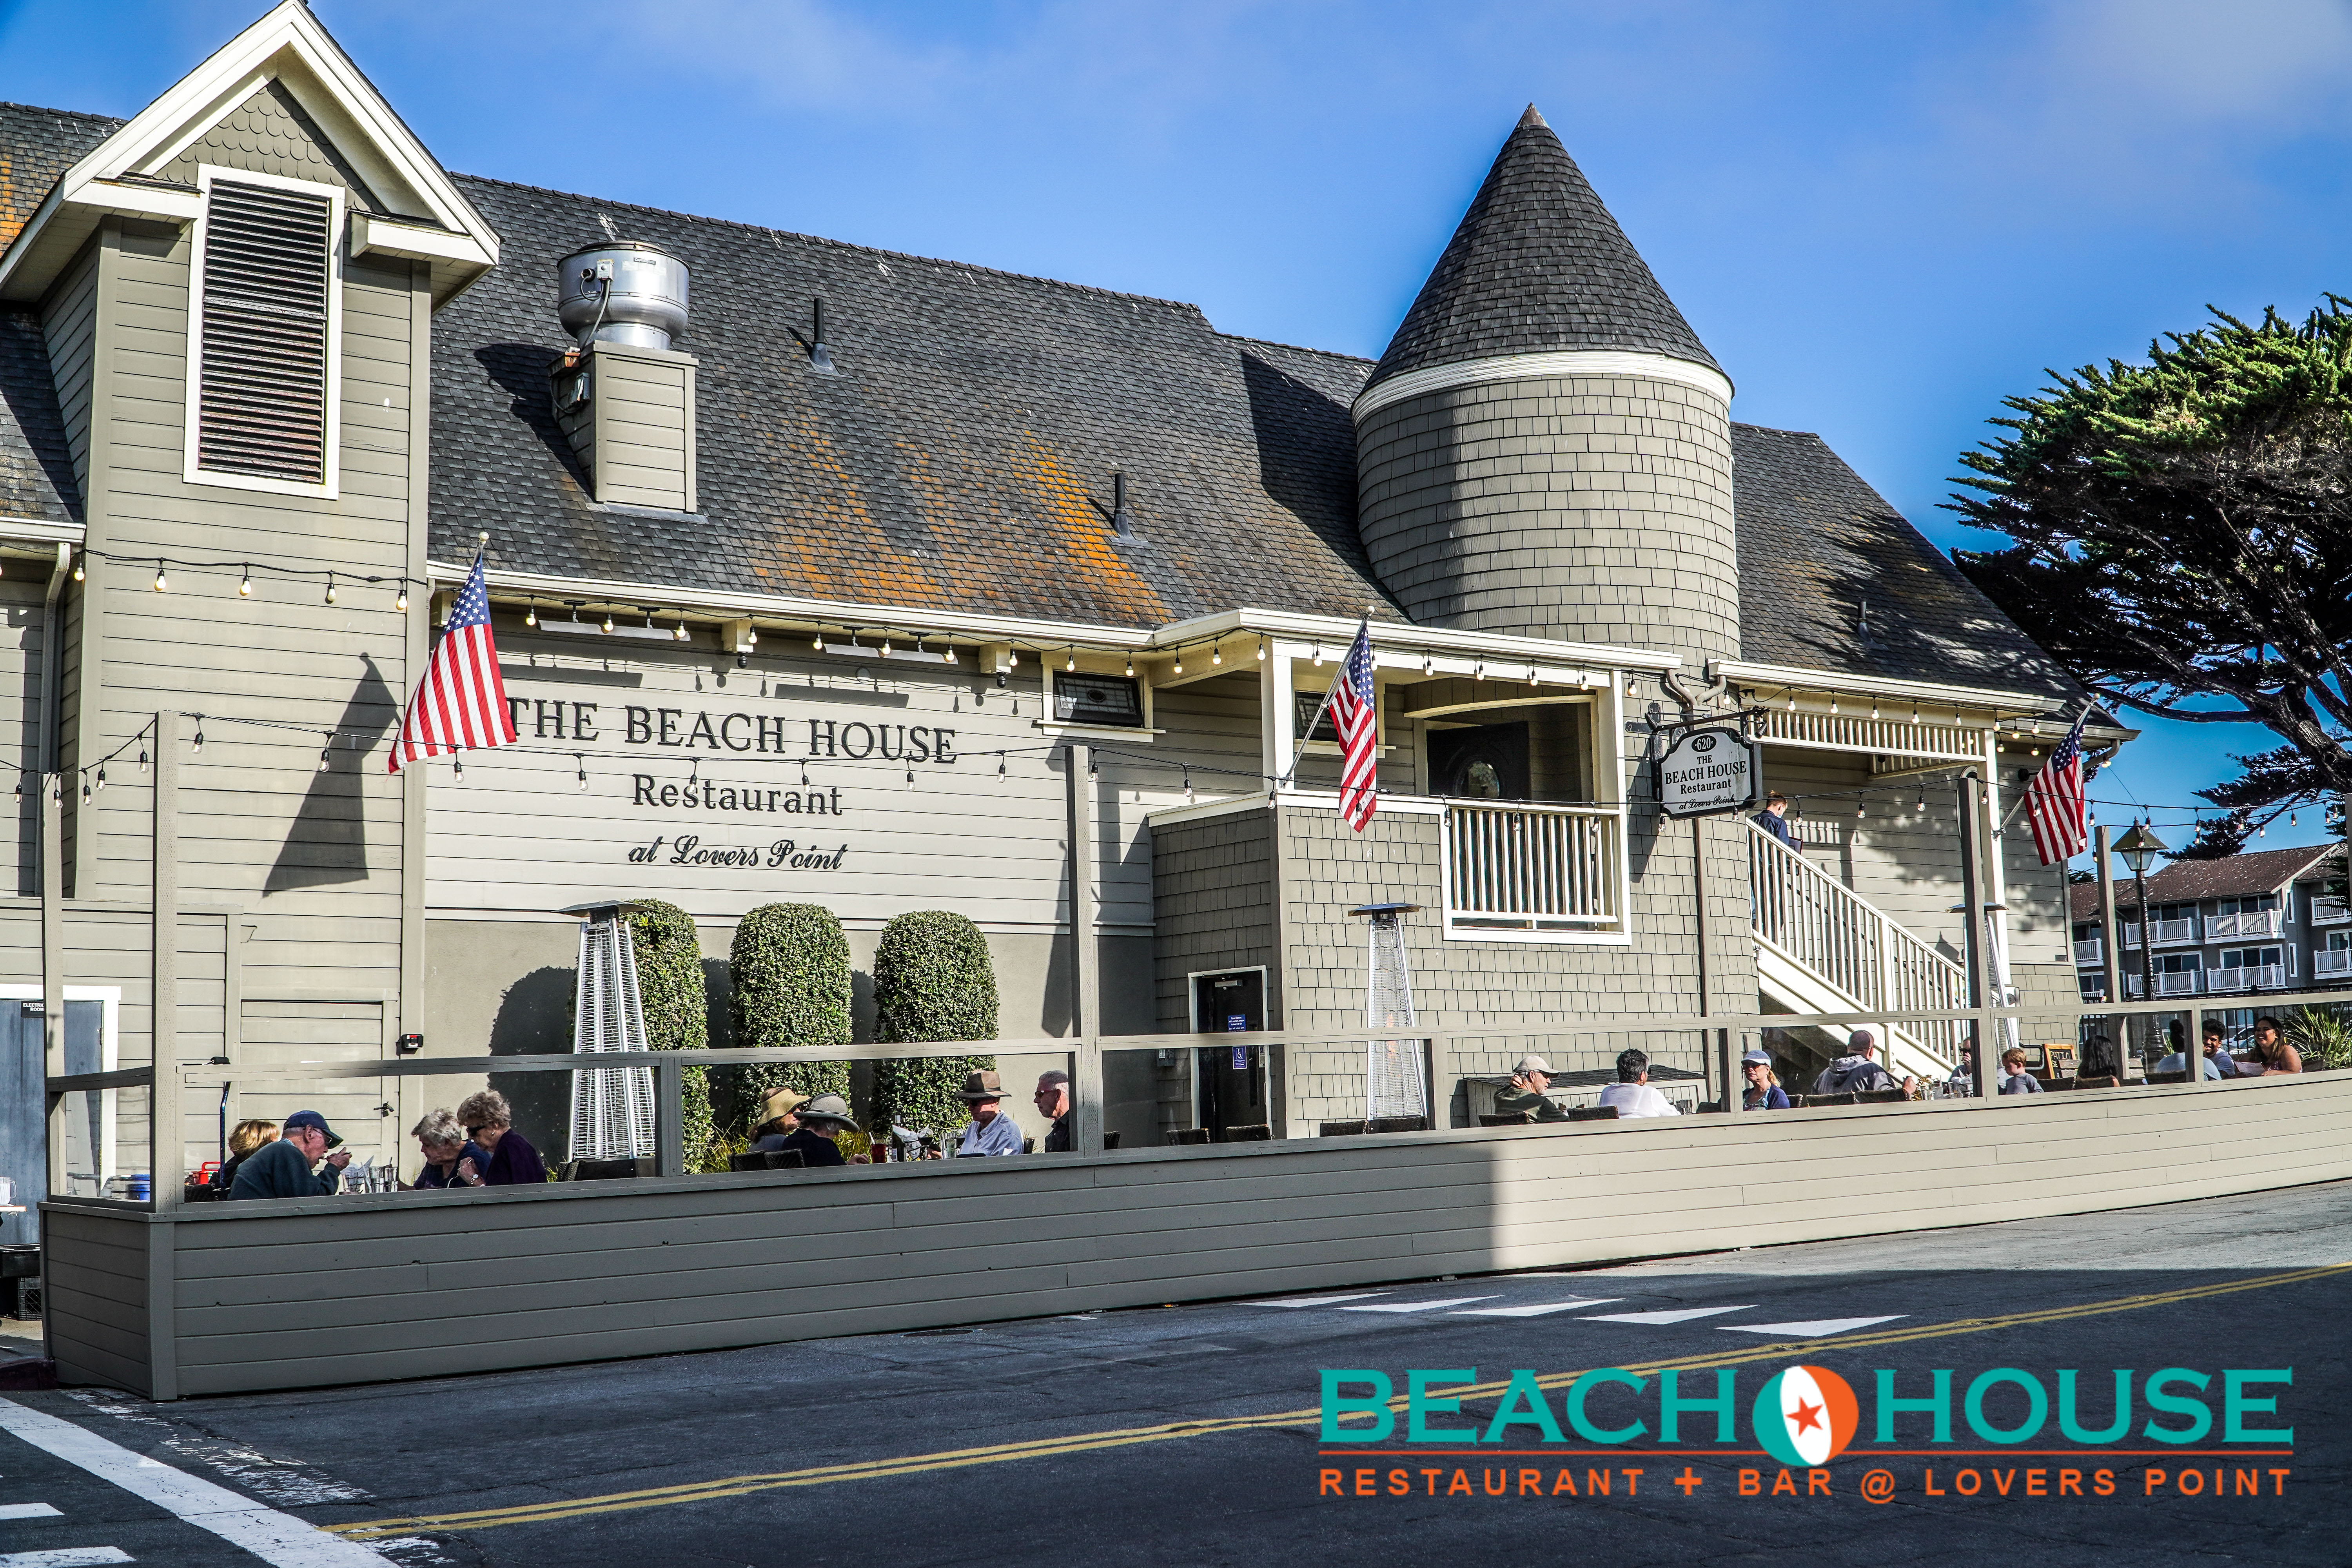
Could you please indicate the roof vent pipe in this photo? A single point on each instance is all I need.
(629, 293)
(820, 357)
(1122, 521)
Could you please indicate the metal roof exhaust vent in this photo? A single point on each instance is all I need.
(820, 357)
(1122, 521)
(629, 293)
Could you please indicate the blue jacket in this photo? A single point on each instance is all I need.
(278, 1170)
(1777, 826)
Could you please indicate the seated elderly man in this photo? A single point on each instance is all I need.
(281, 1168)
(451, 1159)
(992, 1131)
(1631, 1094)
(1526, 1095)
(1053, 1099)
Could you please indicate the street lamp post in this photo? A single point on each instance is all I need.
(2139, 848)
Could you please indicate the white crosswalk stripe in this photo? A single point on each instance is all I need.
(1678, 1315)
(1539, 1310)
(1419, 1306)
(1317, 1301)
(1815, 1329)
(26, 1511)
(67, 1557)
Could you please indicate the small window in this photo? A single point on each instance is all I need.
(1307, 703)
(1114, 699)
(263, 327)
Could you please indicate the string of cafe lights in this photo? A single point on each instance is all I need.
(93, 775)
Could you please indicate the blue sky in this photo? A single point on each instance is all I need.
(1881, 219)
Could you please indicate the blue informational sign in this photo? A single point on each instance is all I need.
(1235, 1023)
(1241, 1058)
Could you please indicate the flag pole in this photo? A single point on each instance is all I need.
(1363, 625)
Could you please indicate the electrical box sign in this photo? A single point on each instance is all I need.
(1708, 771)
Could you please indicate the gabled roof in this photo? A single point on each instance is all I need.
(960, 457)
(282, 71)
(36, 146)
(1537, 265)
(2239, 875)
(1818, 548)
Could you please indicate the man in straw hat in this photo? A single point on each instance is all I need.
(992, 1131)
(777, 1122)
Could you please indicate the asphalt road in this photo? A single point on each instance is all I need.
(1189, 1435)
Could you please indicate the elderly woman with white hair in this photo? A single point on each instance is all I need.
(489, 1122)
(451, 1159)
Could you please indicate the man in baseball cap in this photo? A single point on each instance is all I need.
(1527, 1096)
(281, 1168)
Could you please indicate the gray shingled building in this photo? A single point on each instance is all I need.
(785, 616)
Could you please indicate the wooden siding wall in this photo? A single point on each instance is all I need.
(643, 451)
(69, 322)
(94, 1275)
(21, 664)
(402, 1287)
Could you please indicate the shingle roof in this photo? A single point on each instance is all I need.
(2238, 875)
(960, 458)
(37, 145)
(36, 467)
(1817, 545)
(1537, 264)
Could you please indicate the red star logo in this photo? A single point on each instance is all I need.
(1808, 1415)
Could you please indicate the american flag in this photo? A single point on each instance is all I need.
(2054, 802)
(461, 703)
(1352, 717)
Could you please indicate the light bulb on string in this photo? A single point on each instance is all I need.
(1188, 786)
(1792, 702)
(323, 751)
(143, 759)
(530, 616)
(458, 769)
(1000, 767)
(1535, 676)
(102, 776)
(751, 636)
(582, 762)
(78, 560)
(331, 587)
(886, 647)
(1072, 662)
(1915, 712)
(1858, 812)
(1094, 766)
(160, 583)
(85, 786)
(1216, 654)
(1834, 704)
(400, 600)
(678, 632)
(1261, 650)
(805, 778)
(1180, 659)
(910, 775)
(1318, 656)
(817, 642)
(245, 585)
(1922, 806)
(1478, 672)
(608, 620)
(200, 734)
(948, 654)
(1130, 664)
(1428, 663)
(1873, 709)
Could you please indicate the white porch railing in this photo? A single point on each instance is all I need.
(2169, 933)
(2251, 977)
(1523, 868)
(2091, 949)
(2246, 923)
(2330, 911)
(1818, 922)
(2179, 983)
(2331, 960)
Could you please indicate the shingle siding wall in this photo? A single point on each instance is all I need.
(1516, 986)
(1213, 907)
(1590, 508)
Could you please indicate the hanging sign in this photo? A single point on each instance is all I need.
(1708, 771)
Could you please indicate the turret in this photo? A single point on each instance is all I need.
(1545, 447)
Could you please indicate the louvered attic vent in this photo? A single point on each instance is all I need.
(262, 408)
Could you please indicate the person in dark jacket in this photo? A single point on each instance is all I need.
(447, 1151)
(778, 1121)
(1053, 1100)
(1774, 820)
(281, 1167)
(2100, 1059)
(243, 1140)
(489, 1122)
(1526, 1097)
(1855, 1069)
(822, 1120)
(1764, 1090)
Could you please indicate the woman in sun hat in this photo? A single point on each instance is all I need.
(777, 1122)
(822, 1120)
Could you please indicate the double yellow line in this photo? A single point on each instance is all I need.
(1172, 1431)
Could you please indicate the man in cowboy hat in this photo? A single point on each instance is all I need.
(992, 1131)
(777, 1122)
(822, 1120)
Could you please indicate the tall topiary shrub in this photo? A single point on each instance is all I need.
(790, 968)
(932, 981)
(677, 1015)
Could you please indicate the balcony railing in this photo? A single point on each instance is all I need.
(2330, 911)
(2252, 977)
(2246, 923)
(2181, 983)
(1532, 868)
(2329, 962)
(2169, 933)
(2091, 949)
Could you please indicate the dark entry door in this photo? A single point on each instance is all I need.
(1231, 1077)
(1480, 762)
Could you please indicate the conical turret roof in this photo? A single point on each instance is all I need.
(1537, 265)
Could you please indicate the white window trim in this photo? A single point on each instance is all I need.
(332, 487)
(109, 1061)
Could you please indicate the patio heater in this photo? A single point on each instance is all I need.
(2139, 848)
(1395, 1081)
(612, 1108)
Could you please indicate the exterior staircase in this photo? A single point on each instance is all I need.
(1823, 948)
